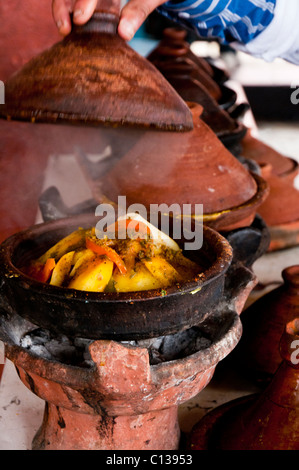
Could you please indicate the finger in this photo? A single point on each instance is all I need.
(134, 14)
(61, 13)
(83, 10)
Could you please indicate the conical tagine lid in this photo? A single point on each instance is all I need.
(186, 168)
(94, 77)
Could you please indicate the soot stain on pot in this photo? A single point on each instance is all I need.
(105, 429)
(93, 399)
(31, 383)
(60, 421)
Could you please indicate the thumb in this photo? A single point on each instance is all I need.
(133, 15)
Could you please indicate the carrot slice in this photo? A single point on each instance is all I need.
(109, 252)
(41, 272)
(47, 270)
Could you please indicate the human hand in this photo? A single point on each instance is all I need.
(132, 15)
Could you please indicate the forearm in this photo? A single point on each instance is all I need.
(281, 37)
(228, 20)
(264, 28)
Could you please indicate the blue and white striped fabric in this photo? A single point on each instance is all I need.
(228, 20)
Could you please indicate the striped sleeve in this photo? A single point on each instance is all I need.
(228, 20)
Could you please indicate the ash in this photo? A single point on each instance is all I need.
(43, 343)
(174, 347)
(74, 351)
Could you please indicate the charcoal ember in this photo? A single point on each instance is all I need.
(59, 348)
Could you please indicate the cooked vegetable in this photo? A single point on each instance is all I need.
(162, 270)
(139, 279)
(95, 277)
(72, 242)
(146, 259)
(103, 249)
(42, 272)
(62, 269)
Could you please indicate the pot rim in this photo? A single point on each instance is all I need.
(9, 270)
(255, 201)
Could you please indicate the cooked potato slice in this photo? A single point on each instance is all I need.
(62, 269)
(94, 277)
(162, 270)
(138, 280)
(69, 243)
(80, 259)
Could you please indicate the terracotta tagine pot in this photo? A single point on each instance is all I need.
(93, 77)
(194, 71)
(190, 168)
(281, 209)
(262, 153)
(269, 421)
(228, 130)
(264, 322)
(173, 49)
(175, 39)
(282, 205)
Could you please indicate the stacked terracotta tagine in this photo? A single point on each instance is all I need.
(266, 421)
(263, 325)
(281, 209)
(196, 80)
(190, 168)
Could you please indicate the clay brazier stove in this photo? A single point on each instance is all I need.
(121, 393)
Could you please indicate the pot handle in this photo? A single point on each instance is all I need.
(104, 20)
(250, 243)
(108, 6)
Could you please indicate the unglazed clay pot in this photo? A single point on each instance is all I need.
(175, 36)
(190, 168)
(173, 49)
(264, 322)
(227, 129)
(282, 205)
(262, 153)
(269, 421)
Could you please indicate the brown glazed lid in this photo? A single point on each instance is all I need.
(188, 168)
(94, 77)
